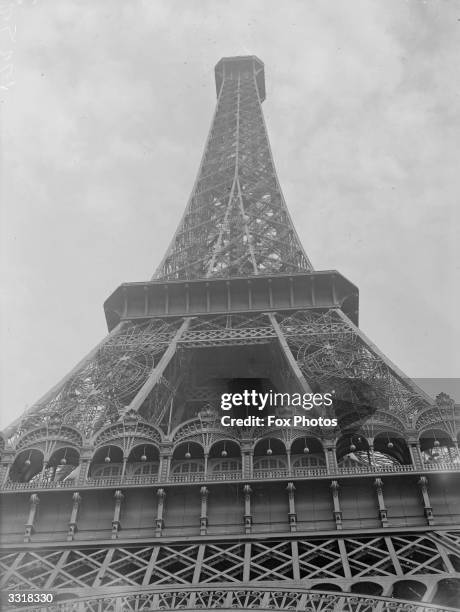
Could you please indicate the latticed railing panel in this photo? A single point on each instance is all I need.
(245, 598)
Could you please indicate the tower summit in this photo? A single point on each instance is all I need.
(123, 489)
(236, 222)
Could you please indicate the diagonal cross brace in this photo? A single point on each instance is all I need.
(299, 377)
(158, 370)
(407, 382)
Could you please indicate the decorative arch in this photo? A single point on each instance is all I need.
(48, 439)
(203, 432)
(433, 417)
(128, 433)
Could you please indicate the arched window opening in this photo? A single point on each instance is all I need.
(353, 451)
(411, 590)
(188, 461)
(367, 588)
(270, 454)
(143, 460)
(326, 586)
(107, 462)
(390, 450)
(61, 464)
(437, 447)
(224, 456)
(27, 465)
(307, 453)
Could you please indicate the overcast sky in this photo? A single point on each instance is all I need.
(104, 126)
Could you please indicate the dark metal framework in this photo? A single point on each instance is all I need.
(139, 419)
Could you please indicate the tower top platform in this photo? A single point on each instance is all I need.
(232, 67)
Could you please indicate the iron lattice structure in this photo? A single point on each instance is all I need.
(236, 222)
(123, 490)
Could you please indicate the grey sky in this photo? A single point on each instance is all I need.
(104, 127)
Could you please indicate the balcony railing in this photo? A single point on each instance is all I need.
(223, 476)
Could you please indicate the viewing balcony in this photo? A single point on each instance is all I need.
(128, 480)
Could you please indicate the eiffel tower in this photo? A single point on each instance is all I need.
(122, 489)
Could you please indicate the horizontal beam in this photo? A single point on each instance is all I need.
(318, 290)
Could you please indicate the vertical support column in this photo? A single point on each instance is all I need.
(123, 467)
(378, 483)
(330, 456)
(85, 461)
(247, 509)
(33, 511)
(159, 522)
(206, 458)
(423, 484)
(165, 462)
(204, 492)
(337, 513)
(116, 525)
(76, 498)
(246, 458)
(415, 453)
(292, 513)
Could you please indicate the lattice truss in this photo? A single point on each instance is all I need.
(236, 222)
(328, 350)
(104, 385)
(233, 562)
(333, 357)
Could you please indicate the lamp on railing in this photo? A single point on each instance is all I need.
(107, 458)
(306, 450)
(144, 456)
(224, 452)
(269, 450)
(188, 454)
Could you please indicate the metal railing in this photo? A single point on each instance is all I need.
(222, 476)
